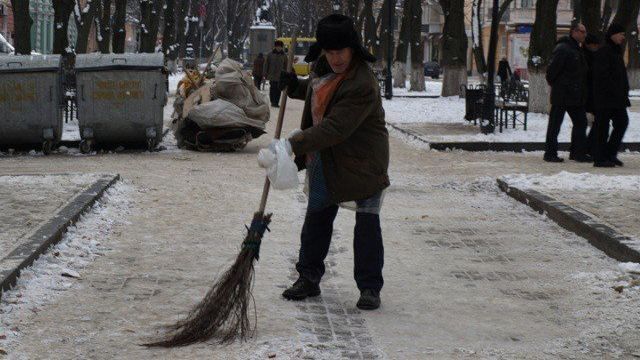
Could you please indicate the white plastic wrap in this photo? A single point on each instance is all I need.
(281, 169)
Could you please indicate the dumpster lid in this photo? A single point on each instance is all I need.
(29, 63)
(93, 62)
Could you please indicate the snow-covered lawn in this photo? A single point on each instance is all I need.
(569, 181)
(451, 110)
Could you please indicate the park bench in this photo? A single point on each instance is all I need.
(512, 104)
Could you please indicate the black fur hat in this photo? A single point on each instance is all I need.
(615, 28)
(337, 32)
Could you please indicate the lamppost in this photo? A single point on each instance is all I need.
(388, 82)
(488, 108)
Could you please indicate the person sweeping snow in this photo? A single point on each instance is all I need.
(344, 147)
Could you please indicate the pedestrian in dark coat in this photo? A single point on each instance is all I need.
(275, 64)
(611, 97)
(591, 44)
(504, 70)
(258, 70)
(567, 75)
(344, 145)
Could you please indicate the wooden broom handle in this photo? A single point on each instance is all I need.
(283, 106)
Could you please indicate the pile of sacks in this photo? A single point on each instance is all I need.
(223, 114)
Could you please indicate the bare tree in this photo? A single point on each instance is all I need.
(625, 12)
(369, 24)
(84, 16)
(119, 32)
(62, 10)
(402, 50)
(590, 15)
(476, 32)
(103, 27)
(169, 46)
(149, 22)
(543, 39)
(454, 47)
(382, 24)
(607, 10)
(22, 24)
(417, 47)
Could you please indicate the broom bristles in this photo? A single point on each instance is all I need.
(223, 313)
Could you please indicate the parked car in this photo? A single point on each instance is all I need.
(432, 69)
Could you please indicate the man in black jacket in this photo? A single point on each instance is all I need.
(611, 97)
(591, 44)
(567, 75)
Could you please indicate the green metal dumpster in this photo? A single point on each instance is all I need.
(120, 99)
(30, 93)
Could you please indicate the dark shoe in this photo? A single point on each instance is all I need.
(604, 163)
(301, 290)
(369, 300)
(582, 159)
(616, 161)
(275, 105)
(553, 159)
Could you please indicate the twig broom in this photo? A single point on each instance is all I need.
(223, 313)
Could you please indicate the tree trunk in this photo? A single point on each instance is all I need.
(149, 22)
(181, 29)
(84, 23)
(625, 12)
(543, 39)
(633, 66)
(168, 36)
(478, 43)
(370, 36)
(590, 16)
(119, 31)
(62, 10)
(417, 47)
(103, 30)
(352, 9)
(384, 48)
(22, 26)
(400, 62)
(607, 9)
(454, 47)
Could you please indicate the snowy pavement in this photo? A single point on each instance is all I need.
(469, 272)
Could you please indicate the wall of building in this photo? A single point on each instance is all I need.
(6, 20)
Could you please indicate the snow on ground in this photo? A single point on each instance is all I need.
(569, 181)
(173, 82)
(56, 270)
(452, 110)
(432, 88)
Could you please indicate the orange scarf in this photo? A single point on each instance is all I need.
(323, 90)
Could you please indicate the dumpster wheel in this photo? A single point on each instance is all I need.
(47, 145)
(85, 146)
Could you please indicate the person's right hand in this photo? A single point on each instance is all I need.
(288, 81)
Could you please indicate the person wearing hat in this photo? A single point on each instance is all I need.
(275, 64)
(344, 147)
(567, 76)
(611, 97)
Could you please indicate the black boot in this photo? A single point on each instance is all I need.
(301, 290)
(369, 300)
(553, 159)
(604, 163)
(616, 161)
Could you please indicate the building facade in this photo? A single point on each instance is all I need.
(6, 20)
(42, 28)
(515, 30)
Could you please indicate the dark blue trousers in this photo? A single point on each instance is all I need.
(367, 247)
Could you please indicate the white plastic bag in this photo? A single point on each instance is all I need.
(281, 169)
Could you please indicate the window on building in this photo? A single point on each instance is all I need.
(527, 3)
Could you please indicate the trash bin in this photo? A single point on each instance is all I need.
(471, 96)
(30, 93)
(120, 99)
